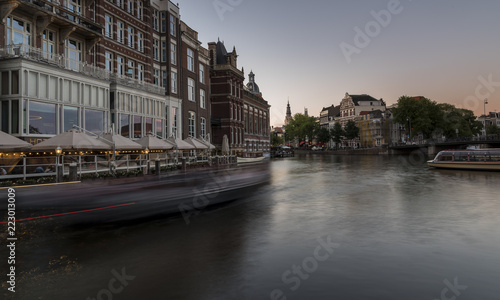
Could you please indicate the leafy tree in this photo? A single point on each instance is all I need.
(351, 130)
(492, 129)
(337, 133)
(301, 127)
(459, 120)
(323, 135)
(423, 115)
(276, 140)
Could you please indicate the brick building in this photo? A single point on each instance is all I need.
(98, 63)
(226, 97)
(196, 85)
(256, 139)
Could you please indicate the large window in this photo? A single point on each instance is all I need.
(130, 38)
(163, 21)
(173, 82)
(94, 120)
(137, 127)
(124, 125)
(164, 79)
(202, 73)
(158, 127)
(149, 125)
(156, 75)
(190, 60)
(130, 6)
(203, 129)
(73, 51)
(172, 25)
(108, 26)
(191, 96)
(131, 69)
(140, 72)
(48, 44)
(109, 61)
(156, 49)
(192, 120)
(18, 32)
(202, 99)
(70, 117)
(119, 31)
(120, 61)
(163, 51)
(155, 19)
(139, 9)
(173, 53)
(174, 121)
(140, 41)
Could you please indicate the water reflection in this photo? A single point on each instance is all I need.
(402, 229)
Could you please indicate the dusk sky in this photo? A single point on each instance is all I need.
(313, 52)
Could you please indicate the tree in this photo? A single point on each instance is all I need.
(459, 122)
(337, 133)
(301, 127)
(492, 129)
(419, 114)
(276, 140)
(351, 130)
(323, 135)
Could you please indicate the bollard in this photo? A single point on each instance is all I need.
(60, 173)
(157, 167)
(73, 172)
(183, 164)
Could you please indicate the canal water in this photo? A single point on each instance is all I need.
(325, 227)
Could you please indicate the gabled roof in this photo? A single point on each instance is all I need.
(221, 53)
(362, 97)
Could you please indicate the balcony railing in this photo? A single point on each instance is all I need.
(68, 13)
(38, 55)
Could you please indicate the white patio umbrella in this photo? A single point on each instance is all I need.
(121, 142)
(180, 144)
(72, 140)
(9, 143)
(154, 143)
(196, 143)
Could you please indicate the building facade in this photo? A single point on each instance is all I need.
(256, 138)
(99, 65)
(196, 85)
(226, 82)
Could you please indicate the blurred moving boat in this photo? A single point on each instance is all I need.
(244, 160)
(469, 159)
(138, 198)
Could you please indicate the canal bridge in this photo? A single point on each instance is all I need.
(431, 147)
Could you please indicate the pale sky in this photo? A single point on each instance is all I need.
(313, 52)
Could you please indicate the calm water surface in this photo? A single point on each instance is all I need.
(326, 227)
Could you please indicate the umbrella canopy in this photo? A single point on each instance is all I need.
(154, 143)
(72, 140)
(209, 145)
(225, 145)
(121, 142)
(9, 143)
(180, 144)
(196, 143)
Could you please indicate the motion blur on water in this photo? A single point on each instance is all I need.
(326, 227)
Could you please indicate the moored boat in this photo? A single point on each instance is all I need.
(243, 160)
(469, 159)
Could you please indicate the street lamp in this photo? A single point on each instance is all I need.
(409, 120)
(58, 153)
(146, 151)
(485, 102)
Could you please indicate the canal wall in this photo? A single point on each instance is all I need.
(369, 151)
